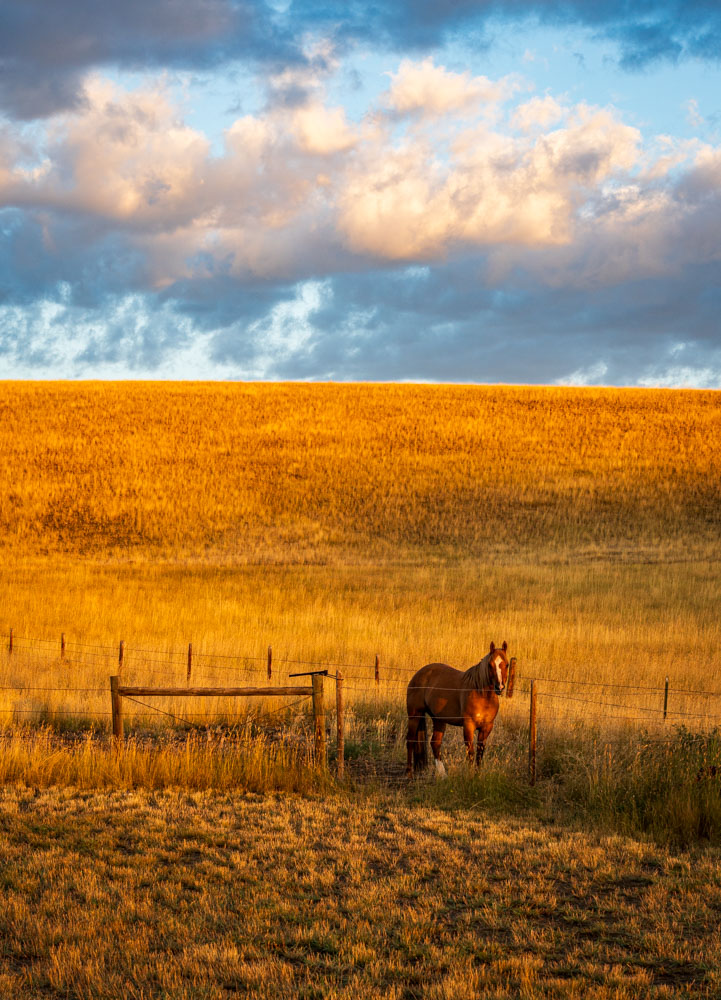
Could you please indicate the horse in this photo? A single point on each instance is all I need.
(456, 698)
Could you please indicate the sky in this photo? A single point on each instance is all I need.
(473, 191)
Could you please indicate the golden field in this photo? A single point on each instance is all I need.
(298, 473)
(334, 522)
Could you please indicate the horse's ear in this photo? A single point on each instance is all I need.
(493, 645)
(504, 647)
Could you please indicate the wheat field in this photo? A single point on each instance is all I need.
(337, 522)
(323, 473)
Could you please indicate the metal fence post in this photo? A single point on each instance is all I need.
(319, 720)
(340, 722)
(532, 736)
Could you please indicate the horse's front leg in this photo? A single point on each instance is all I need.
(469, 731)
(439, 729)
(483, 734)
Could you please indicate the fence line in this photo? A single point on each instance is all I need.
(369, 688)
(166, 658)
(53, 711)
(171, 662)
(120, 692)
(168, 655)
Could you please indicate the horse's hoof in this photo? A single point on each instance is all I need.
(440, 769)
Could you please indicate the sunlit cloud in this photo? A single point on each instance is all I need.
(399, 212)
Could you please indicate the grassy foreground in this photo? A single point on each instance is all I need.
(666, 788)
(140, 894)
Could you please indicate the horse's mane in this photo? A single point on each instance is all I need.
(477, 676)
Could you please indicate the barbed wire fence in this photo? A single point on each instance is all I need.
(569, 696)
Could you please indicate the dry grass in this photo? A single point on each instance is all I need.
(246, 757)
(250, 473)
(617, 623)
(334, 522)
(337, 522)
(140, 894)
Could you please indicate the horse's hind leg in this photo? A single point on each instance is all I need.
(415, 721)
(421, 750)
(439, 729)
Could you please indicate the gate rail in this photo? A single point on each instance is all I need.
(119, 691)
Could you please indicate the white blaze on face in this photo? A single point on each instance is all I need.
(497, 664)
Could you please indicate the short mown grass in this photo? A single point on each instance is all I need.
(182, 895)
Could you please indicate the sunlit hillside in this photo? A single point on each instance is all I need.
(337, 522)
(297, 472)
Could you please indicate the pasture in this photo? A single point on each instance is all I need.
(335, 523)
(188, 894)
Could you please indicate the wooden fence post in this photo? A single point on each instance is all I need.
(319, 720)
(511, 677)
(190, 661)
(10, 642)
(270, 661)
(121, 653)
(340, 721)
(532, 736)
(665, 700)
(378, 679)
(117, 708)
(62, 645)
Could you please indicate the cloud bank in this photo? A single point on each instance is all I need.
(47, 46)
(459, 227)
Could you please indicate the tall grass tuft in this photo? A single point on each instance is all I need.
(667, 789)
(41, 758)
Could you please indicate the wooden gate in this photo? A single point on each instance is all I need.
(118, 691)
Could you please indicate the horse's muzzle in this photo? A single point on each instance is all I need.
(498, 688)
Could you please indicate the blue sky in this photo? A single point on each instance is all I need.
(474, 192)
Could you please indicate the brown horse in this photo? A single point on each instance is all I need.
(456, 698)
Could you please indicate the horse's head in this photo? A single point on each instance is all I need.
(498, 668)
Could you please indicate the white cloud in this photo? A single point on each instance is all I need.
(539, 112)
(405, 202)
(668, 373)
(592, 375)
(434, 90)
(576, 179)
(693, 115)
(323, 130)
